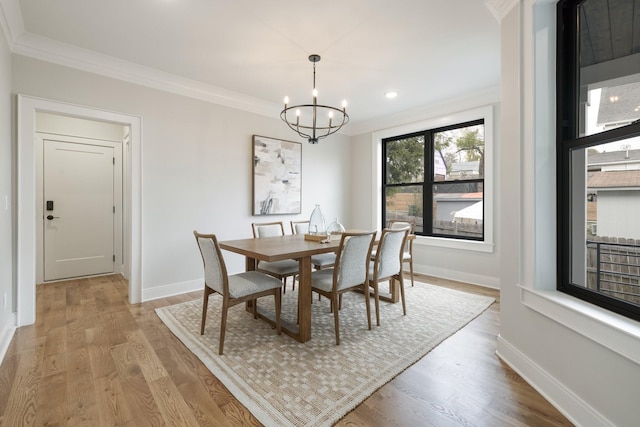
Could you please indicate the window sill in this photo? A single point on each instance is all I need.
(467, 245)
(614, 332)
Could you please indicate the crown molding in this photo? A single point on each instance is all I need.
(500, 8)
(11, 21)
(49, 50)
(37, 47)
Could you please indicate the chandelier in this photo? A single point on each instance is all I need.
(314, 121)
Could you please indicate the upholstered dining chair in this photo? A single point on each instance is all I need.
(350, 273)
(388, 264)
(279, 269)
(407, 256)
(235, 289)
(318, 261)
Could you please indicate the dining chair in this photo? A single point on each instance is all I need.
(350, 273)
(388, 264)
(235, 289)
(407, 256)
(318, 261)
(279, 269)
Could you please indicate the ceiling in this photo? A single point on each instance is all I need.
(251, 53)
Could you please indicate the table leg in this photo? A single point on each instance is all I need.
(302, 331)
(250, 265)
(304, 299)
(394, 288)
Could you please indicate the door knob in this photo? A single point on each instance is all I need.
(50, 217)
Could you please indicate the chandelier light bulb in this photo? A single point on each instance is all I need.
(344, 104)
(315, 93)
(331, 114)
(286, 100)
(298, 113)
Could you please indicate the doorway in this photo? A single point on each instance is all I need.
(28, 107)
(78, 200)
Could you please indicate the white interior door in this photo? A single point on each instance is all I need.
(78, 209)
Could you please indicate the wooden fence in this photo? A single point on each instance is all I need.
(613, 267)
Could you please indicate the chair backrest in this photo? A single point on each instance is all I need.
(268, 229)
(299, 227)
(215, 271)
(352, 259)
(398, 225)
(388, 260)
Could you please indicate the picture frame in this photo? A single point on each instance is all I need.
(277, 176)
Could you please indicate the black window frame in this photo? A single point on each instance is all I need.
(569, 139)
(429, 181)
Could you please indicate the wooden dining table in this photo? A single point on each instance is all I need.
(285, 247)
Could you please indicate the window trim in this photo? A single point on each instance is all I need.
(567, 140)
(537, 282)
(485, 113)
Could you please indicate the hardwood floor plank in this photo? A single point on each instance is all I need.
(144, 408)
(52, 393)
(174, 409)
(22, 406)
(112, 404)
(82, 407)
(92, 359)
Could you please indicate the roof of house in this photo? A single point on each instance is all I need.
(614, 179)
(465, 166)
(613, 157)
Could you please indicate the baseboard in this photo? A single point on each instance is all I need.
(6, 335)
(563, 399)
(459, 276)
(172, 289)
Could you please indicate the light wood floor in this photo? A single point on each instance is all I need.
(92, 359)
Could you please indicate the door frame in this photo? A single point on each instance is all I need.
(41, 137)
(26, 191)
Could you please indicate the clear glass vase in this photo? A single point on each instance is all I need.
(335, 227)
(316, 222)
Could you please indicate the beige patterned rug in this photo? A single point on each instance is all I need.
(285, 383)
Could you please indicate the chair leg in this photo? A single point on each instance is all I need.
(404, 304)
(284, 283)
(223, 325)
(205, 305)
(254, 306)
(376, 298)
(411, 269)
(336, 320)
(367, 301)
(278, 296)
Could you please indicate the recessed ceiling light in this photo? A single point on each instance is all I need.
(391, 94)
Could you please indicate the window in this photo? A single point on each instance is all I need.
(598, 153)
(435, 178)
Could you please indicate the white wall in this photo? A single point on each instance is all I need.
(7, 318)
(480, 267)
(196, 168)
(585, 360)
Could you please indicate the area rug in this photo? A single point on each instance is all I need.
(286, 383)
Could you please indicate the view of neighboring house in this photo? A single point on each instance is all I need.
(463, 170)
(613, 187)
(461, 202)
(613, 170)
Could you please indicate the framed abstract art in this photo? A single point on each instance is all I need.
(277, 176)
